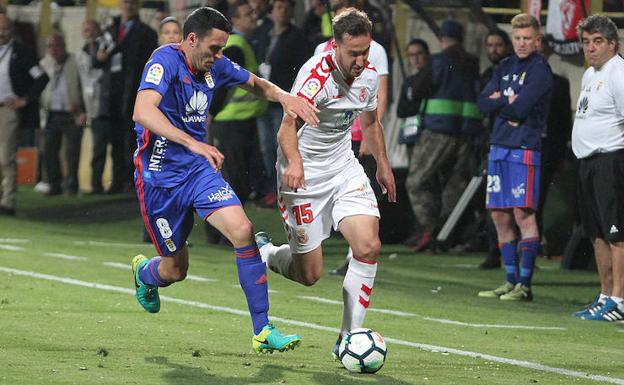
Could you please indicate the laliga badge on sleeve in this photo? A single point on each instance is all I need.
(154, 74)
(209, 80)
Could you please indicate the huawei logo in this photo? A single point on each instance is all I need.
(583, 105)
(196, 107)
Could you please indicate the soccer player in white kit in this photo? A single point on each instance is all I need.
(320, 182)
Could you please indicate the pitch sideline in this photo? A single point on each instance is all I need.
(426, 347)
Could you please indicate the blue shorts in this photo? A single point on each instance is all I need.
(513, 178)
(168, 211)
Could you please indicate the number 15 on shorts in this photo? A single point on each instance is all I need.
(303, 213)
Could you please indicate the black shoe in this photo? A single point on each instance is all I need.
(341, 271)
(490, 262)
(8, 211)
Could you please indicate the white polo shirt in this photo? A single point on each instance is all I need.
(599, 121)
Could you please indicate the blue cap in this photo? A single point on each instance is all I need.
(451, 28)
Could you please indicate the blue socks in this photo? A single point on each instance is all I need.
(510, 260)
(528, 248)
(253, 279)
(149, 274)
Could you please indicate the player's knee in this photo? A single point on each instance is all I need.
(242, 233)
(368, 250)
(310, 278)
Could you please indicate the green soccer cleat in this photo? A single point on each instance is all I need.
(270, 339)
(336, 349)
(519, 293)
(147, 295)
(496, 293)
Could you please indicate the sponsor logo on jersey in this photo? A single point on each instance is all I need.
(583, 105)
(164, 228)
(196, 108)
(209, 80)
(506, 77)
(363, 94)
(223, 194)
(158, 154)
(518, 191)
(613, 230)
(154, 74)
(186, 80)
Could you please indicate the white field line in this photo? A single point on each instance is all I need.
(426, 347)
(110, 244)
(11, 248)
(190, 277)
(14, 240)
(65, 256)
(439, 320)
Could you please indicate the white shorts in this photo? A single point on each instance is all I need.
(309, 214)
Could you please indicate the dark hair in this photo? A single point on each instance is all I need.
(233, 8)
(420, 42)
(352, 22)
(204, 19)
(166, 20)
(502, 34)
(339, 4)
(602, 25)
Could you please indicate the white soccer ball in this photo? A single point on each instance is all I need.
(362, 351)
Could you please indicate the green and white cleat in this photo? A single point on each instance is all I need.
(336, 349)
(270, 339)
(519, 293)
(496, 293)
(147, 295)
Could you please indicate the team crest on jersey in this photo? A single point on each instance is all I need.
(363, 94)
(154, 74)
(209, 80)
(302, 236)
(311, 88)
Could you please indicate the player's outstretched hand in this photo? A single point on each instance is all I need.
(293, 175)
(297, 107)
(385, 178)
(214, 156)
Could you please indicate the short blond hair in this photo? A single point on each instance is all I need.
(524, 20)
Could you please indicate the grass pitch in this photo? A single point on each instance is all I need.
(68, 315)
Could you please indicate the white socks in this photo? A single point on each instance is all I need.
(277, 258)
(356, 292)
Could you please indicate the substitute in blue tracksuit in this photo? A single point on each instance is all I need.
(518, 95)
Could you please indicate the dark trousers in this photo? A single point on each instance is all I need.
(101, 130)
(123, 144)
(236, 140)
(62, 125)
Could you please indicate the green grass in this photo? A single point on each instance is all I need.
(60, 333)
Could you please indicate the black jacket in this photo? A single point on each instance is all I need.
(136, 48)
(27, 81)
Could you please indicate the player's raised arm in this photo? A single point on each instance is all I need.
(293, 176)
(374, 138)
(147, 114)
(293, 106)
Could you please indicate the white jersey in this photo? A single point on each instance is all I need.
(599, 122)
(376, 56)
(326, 149)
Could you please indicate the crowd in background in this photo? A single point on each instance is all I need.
(96, 87)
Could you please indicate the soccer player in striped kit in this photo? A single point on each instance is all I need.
(320, 181)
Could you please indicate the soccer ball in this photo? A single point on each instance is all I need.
(362, 351)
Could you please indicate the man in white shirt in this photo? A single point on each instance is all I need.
(598, 143)
(320, 182)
